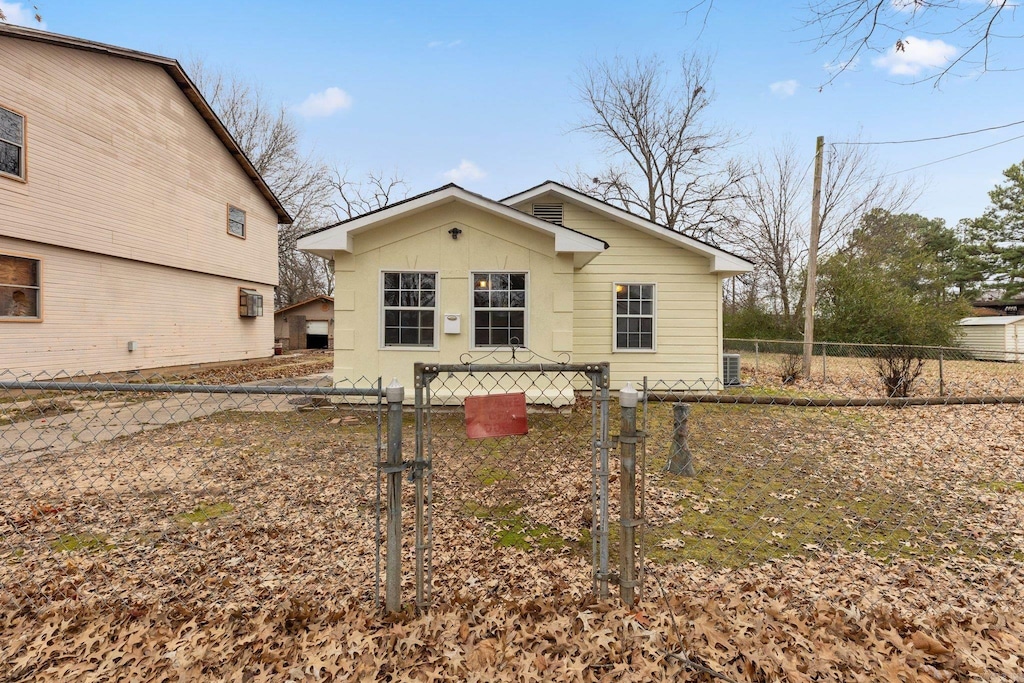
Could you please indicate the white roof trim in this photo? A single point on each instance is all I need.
(992, 320)
(339, 238)
(722, 262)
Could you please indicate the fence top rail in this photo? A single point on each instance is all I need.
(141, 388)
(818, 342)
(838, 402)
(586, 368)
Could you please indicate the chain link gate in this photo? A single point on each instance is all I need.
(529, 490)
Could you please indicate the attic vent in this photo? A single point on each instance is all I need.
(552, 213)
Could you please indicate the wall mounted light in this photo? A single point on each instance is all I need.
(455, 232)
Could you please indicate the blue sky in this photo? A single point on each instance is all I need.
(481, 92)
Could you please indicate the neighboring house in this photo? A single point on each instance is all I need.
(308, 324)
(451, 272)
(134, 233)
(998, 306)
(995, 337)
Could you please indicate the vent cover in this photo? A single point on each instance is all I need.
(731, 369)
(552, 213)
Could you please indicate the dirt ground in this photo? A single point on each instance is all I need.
(813, 545)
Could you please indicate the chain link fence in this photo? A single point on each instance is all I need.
(227, 487)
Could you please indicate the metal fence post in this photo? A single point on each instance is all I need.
(627, 494)
(395, 394)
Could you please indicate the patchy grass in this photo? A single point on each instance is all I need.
(84, 541)
(204, 513)
(1002, 486)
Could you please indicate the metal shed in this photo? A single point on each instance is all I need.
(997, 337)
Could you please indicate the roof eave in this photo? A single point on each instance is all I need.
(184, 83)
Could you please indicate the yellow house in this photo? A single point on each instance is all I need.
(450, 274)
(134, 233)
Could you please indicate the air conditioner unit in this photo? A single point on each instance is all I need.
(731, 369)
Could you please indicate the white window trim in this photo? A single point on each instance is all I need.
(380, 311)
(654, 318)
(23, 178)
(472, 306)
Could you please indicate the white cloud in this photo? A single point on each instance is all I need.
(466, 170)
(325, 103)
(434, 44)
(917, 54)
(847, 65)
(21, 15)
(784, 88)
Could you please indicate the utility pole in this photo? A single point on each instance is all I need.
(812, 259)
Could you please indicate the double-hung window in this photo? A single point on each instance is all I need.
(20, 283)
(634, 317)
(12, 144)
(410, 308)
(499, 309)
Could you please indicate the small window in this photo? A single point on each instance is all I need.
(499, 309)
(410, 308)
(236, 222)
(12, 144)
(19, 288)
(634, 317)
(250, 303)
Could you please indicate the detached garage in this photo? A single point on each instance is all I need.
(306, 325)
(997, 337)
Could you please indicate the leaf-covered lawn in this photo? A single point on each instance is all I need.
(865, 545)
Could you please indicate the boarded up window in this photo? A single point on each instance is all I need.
(12, 143)
(236, 222)
(19, 287)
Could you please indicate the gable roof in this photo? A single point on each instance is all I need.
(991, 320)
(180, 78)
(327, 299)
(722, 261)
(338, 237)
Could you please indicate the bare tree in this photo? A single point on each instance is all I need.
(852, 27)
(666, 159)
(301, 181)
(375, 191)
(773, 227)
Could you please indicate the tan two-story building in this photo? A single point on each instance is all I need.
(134, 232)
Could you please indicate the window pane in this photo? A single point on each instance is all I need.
(622, 307)
(647, 308)
(634, 308)
(517, 319)
(15, 270)
(646, 341)
(408, 318)
(390, 297)
(620, 325)
(12, 127)
(408, 298)
(18, 302)
(427, 280)
(622, 341)
(499, 319)
(480, 281)
(499, 336)
(390, 280)
(409, 335)
(10, 159)
(427, 298)
(480, 299)
(646, 324)
(647, 291)
(517, 281)
(517, 299)
(499, 281)
(391, 336)
(499, 299)
(427, 319)
(409, 280)
(391, 318)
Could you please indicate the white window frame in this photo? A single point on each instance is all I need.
(653, 316)
(245, 221)
(22, 146)
(37, 288)
(474, 275)
(382, 346)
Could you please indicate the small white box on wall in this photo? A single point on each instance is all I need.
(452, 323)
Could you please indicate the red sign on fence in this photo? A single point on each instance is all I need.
(492, 416)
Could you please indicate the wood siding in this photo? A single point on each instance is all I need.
(125, 202)
(422, 243)
(94, 305)
(688, 304)
(120, 163)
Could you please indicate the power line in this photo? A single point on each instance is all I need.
(955, 156)
(938, 137)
